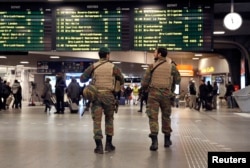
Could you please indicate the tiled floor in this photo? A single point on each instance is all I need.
(31, 138)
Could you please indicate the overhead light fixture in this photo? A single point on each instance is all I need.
(55, 0)
(54, 57)
(219, 32)
(2, 57)
(116, 62)
(195, 58)
(198, 55)
(144, 66)
(232, 21)
(24, 62)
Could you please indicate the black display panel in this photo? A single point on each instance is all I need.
(86, 26)
(62, 66)
(177, 27)
(25, 28)
(90, 28)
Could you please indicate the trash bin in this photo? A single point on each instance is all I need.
(242, 98)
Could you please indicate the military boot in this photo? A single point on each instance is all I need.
(99, 147)
(109, 146)
(154, 145)
(167, 141)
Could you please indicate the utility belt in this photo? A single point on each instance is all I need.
(158, 88)
(105, 91)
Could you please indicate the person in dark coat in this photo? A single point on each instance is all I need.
(60, 90)
(228, 95)
(17, 93)
(127, 94)
(143, 96)
(215, 93)
(73, 91)
(192, 92)
(46, 94)
(6, 93)
(202, 95)
(209, 96)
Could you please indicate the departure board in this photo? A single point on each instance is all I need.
(62, 66)
(87, 26)
(174, 27)
(25, 29)
(89, 29)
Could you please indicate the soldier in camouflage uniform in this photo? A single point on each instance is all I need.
(160, 78)
(100, 92)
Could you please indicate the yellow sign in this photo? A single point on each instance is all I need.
(207, 70)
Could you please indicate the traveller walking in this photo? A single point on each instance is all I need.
(229, 95)
(73, 91)
(135, 92)
(17, 93)
(46, 94)
(192, 93)
(60, 91)
(143, 97)
(127, 94)
(215, 94)
(203, 92)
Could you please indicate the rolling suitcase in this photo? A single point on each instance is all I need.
(9, 101)
(72, 106)
(53, 101)
(122, 101)
(209, 106)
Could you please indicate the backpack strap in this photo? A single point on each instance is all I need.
(98, 66)
(152, 70)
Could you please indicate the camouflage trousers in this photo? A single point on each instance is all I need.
(159, 99)
(104, 105)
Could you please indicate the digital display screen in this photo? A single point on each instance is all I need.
(25, 29)
(123, 26)
(62, 66)
(90, 28)
(179, 28)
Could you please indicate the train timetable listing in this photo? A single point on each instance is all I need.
(177, 29)
(25, 29)
(86, 30)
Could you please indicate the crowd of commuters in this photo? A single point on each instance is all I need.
(8, 93)
(205, 96)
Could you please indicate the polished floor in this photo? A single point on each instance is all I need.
(30, 138)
